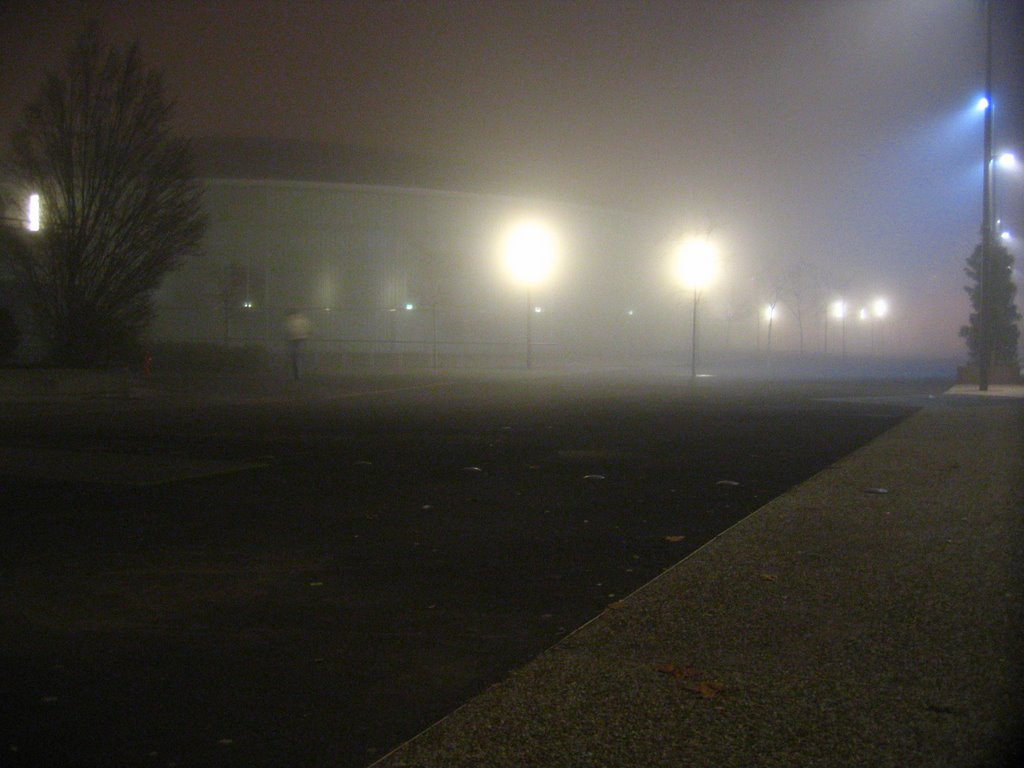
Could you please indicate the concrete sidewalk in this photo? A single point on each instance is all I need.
(872, 616)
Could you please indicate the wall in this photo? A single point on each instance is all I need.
(352, 258)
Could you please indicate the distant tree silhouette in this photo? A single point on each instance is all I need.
(802, 288)
(120, 206)
(1002, 310)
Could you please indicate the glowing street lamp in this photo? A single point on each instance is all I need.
(771, 312)
(879, 311)
(529, 250)
(696, 266)
(1007, 161)
(839, 312)
(991, 227)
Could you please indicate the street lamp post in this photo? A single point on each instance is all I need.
(991, 229)
(693, 341)
(696, 264)
(529, 329)
(1007, 161)
(839, 313)
(529, 251)
(984, 325)
(864, 316)
(770, 314)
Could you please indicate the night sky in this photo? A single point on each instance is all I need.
(838, 132)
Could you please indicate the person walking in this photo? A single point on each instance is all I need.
(298, 331)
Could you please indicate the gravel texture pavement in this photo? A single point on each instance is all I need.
(870, 617)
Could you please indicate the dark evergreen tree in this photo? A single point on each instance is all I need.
(1002, 310)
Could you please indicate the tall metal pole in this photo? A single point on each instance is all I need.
(529, 330)
(984, 290)
(693, 344)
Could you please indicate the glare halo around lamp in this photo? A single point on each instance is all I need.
(839, 312)
(529, 251)
(696, 267)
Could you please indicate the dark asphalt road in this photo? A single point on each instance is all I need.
(362, 555)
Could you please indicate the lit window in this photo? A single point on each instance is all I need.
(33, 213)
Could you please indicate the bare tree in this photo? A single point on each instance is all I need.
(119, 205)
(833, 283)
(436, 268)
(803, 290)
(772, 287)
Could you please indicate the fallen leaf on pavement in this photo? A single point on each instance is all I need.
(709, 689)
(685, 671)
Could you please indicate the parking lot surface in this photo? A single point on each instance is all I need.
(261, 572)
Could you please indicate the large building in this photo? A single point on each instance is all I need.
(398, 259)
(388, 258)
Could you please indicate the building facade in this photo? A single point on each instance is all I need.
(401, 273)
(402, 262)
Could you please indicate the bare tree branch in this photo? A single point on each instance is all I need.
(121, 206)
